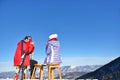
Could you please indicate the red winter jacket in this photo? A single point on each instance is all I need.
(27, 48)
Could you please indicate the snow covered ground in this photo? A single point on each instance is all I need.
(54, 79)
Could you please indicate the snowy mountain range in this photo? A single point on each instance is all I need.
(66, 70)
(87, 68)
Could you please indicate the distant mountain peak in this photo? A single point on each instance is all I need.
(72, 67)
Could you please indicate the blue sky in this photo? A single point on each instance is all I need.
(89, 30)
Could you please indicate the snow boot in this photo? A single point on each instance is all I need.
(16, 76)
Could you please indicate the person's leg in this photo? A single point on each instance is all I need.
(25, 76)
(32, 62)
(16, 76)
(27, 72)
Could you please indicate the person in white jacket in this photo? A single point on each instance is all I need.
(53, 50)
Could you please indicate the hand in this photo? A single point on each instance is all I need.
(46, 43)
(32, 43)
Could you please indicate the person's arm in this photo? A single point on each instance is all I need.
(48, 49)
(31, 47)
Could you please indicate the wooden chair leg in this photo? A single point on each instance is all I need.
(59, 72)
(33, 73)
(49, 73)
(41, 73)
(52, 69)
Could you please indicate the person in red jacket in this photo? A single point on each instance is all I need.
(24, 48)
